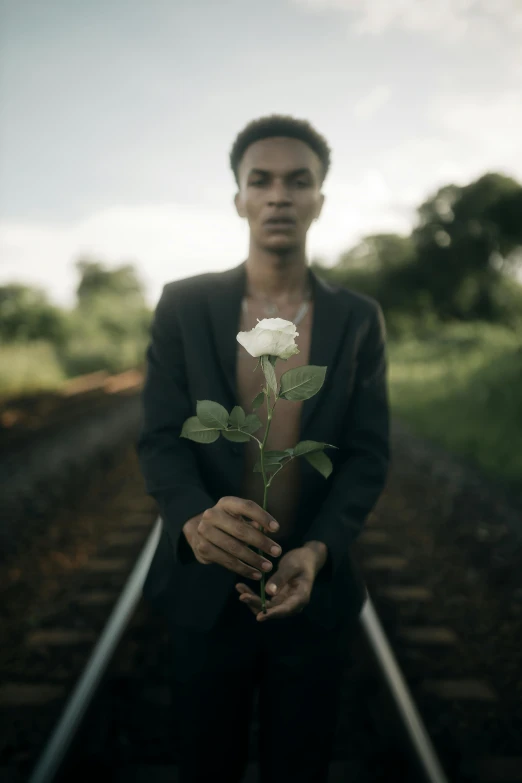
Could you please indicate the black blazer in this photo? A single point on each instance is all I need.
(192, 356)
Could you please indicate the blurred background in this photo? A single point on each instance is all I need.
(115, 130)
(116, 122)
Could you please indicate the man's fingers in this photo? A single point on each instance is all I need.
(285, 609)
(236, 550)
(248, 508)
(243, 532)
(216, 554)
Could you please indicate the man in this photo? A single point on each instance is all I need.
(206, 564)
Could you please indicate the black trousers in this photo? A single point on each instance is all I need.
(294, 667)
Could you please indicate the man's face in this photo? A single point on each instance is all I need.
(279, 177)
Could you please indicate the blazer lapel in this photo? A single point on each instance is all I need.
(224, 303)
(330, 321)
(329, 325)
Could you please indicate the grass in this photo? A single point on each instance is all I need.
(461, 387)
(28, 367)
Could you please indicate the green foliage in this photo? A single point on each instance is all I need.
(309, 446)
(26, 315)
(236, 436)
(273, 461)
(107, 330)
(194, 430)
(462, 234)
(258, 400)
(212, 414)
(237, 417)
(29, 367)
(378, 252)
(268, 369)
(301, 383)
(458, 264)
(252, 423)
(461, 386)
(96, 281)
(320, 462)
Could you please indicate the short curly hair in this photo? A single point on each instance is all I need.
(279, 125)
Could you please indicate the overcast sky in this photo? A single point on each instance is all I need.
(117, 118)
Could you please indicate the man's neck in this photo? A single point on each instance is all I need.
(276, 278)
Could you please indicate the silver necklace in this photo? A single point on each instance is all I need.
(271, 309)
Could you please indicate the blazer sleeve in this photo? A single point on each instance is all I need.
(360, 475)
(167, 461)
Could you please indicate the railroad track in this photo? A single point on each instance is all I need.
(28, 420)
(441, 556)
(88, 689)
(117, 719)
(50, 441)
(122, 727)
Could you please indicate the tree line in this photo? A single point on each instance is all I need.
(459, 263)
(106, 329)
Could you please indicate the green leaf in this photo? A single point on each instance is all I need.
(252, 423)
(308, 446)
(320, 462)
(236, 436)
(269, 372)
(212, 414)
(272, 459)
(237, 417)
(194, 430)
(270, 467)
(271, 455)
(301, 383)
(258, 400)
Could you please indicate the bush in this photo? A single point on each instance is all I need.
(29, 367)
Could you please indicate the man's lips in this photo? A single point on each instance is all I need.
(282, 225)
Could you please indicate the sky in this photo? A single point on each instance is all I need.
(117, 119)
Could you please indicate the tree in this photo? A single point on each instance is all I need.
(464, 237)
(96, 281)
(110, 326)
(379, 252)
(27, 315)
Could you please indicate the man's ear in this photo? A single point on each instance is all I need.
(320, 207)
(239, 206)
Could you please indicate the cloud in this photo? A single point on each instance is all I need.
(490, 125)
(171, 241)
(469, 135)
(449, 18)
(370, 104)
(165, 242)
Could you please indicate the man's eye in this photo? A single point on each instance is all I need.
(301, 182)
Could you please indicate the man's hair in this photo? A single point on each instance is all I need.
(279, 125)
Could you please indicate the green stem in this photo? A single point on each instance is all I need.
(262, 451)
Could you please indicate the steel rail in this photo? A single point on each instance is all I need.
(402, 697)
(69, 721)
(54, 752)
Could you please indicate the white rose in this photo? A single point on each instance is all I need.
(271, 337)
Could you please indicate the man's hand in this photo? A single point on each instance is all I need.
(293, 580)
(221, 535)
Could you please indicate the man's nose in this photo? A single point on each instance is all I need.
(279, 194)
